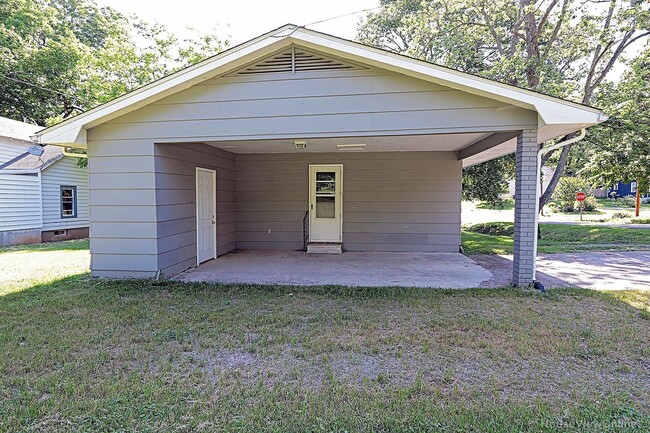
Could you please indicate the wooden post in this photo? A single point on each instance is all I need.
(638, 200)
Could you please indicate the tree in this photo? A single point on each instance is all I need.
(61, 57)
(619, 149)
(487, 181)
(565, 48)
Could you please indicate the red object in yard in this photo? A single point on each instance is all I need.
(581, 196)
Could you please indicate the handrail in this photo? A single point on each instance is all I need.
(305, 231)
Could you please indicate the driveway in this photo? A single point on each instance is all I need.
(591, 270)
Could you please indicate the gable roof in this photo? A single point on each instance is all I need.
(27, 161)
(17, 130)
(556, 116)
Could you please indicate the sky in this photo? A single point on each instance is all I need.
(245, 19)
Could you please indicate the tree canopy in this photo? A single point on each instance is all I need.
(565, 48)
(61, 57)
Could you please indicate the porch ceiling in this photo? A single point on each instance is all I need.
(411, 143)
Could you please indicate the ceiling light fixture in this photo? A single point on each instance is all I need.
(351, 147)
(300, 144)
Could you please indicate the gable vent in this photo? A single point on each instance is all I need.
(295, 60)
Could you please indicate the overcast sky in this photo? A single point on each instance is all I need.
(246, 19)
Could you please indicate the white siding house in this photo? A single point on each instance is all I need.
(32, 190)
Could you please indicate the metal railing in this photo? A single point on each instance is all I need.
(305, 231)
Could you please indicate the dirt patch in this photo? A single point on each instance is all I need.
(501, 269)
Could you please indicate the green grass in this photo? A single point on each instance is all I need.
(507, 204)
(559, 238)
(82, 354)
(628, 203)
(74, 245)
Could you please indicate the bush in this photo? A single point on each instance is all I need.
(640, 221)
(565, 193)
(590, 204)
(493, 229)
(621, 215)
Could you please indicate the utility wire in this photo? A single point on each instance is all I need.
(35, 85)
(325, 20)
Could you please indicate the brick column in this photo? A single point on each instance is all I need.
(526, 209)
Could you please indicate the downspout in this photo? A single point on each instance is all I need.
(543, 151)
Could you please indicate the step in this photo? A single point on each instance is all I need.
(324, 248)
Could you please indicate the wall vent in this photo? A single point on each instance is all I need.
(294, 60)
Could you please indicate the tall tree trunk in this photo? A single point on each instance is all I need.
(557, 174)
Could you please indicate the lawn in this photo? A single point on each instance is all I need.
(558, 238)
(80, 354)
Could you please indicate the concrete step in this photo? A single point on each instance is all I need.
(324, 248)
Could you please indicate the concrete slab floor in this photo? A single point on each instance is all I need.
(440, 270)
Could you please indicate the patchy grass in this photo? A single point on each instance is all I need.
(627, 203)
(88, 355)
(558, 238)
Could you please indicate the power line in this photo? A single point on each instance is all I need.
(325, 20)
(35, 85)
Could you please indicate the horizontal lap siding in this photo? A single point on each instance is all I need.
(285, 105)
(64, 172)
(10, 148)
(123, 232)
(20, 202)
(404, 201)
(175, 166)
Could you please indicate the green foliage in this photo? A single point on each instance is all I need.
(565, 49)
(565, 193)
(486, 182)
(590, 204)
(619, 149)
(493, 229)
(61, 57)
(621, 215)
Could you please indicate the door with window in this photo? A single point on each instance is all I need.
(206, 228)
(325, 203)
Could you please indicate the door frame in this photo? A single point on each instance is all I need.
(196, 210)
(312, 198)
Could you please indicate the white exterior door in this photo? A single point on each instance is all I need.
(206, 223)
(325, 203)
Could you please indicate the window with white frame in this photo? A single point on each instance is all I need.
(68, 201)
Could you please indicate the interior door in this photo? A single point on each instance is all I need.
(325, 203)
(206, 223)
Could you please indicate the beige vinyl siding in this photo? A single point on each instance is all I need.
(176, 202)
(10, 148)
(399, 201)
(369, 102)
(64, 172)
(20, 201)
(123, 222)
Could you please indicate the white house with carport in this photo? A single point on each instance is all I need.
(301, 139)
(42, 198)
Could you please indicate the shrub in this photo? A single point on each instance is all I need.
(621, 215)
(565, 192)
(590, 204)
(640, 221)
(493, 229)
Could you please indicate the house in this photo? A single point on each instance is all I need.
(42, 198)
(622, 189)
(300, 137)
(546, 173)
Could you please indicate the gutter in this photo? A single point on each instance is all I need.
(543, 151)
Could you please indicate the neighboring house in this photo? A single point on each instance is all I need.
(300, 136)
(41, 198)
(622, 189)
